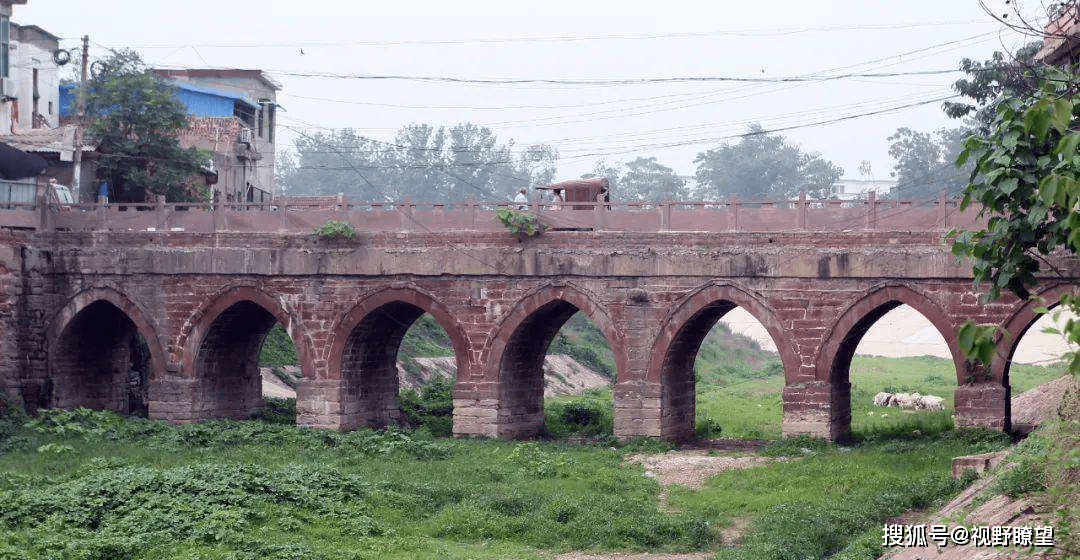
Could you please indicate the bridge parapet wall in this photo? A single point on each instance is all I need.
(286, 215)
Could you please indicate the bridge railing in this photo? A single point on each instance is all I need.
(304, 216)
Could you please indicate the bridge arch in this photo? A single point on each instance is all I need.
(91, 343)
(844, 335)
(833, 363)
(516, 349)
(674, 351)
(221, 348)
(1018, 324)
(364, 345)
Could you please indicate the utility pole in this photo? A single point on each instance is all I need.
(80, 115)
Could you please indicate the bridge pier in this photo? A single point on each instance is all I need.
(172, 398)
(817, 409)
(638, 411)
(984, 404)
(476, 409)
(320, 404)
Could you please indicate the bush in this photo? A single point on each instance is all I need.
(12, 417)
(276, 411)
(335, 229)
(524, 224)
(707, 428)
(587, 415)
(431, 407)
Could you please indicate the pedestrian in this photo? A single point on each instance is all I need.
(522, 199)
(556, 200)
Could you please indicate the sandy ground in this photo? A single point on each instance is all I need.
(563, 375)
(905, 332)
(272, 386)
(691, 468)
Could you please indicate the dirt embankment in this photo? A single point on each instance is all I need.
(563, 375)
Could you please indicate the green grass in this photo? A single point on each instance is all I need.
(751, 407)
(92, 485)
(99, 486)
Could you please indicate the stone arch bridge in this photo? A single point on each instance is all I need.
(202, 285)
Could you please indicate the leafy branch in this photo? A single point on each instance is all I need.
(524, 224)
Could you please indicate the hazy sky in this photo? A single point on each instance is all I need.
(579, 40)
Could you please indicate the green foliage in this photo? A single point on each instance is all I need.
(12, 417)
(992, 80)
(799, 530)
(582, 340)
(93, 425)
(763, 166)
(587, 415)
(524, 224)
(276, 411)
(335, 229)
(977, 342)
(1027, 181)
(707, 428)
(277, 349)
(136, 118)
(426, 338)
(642, 179)
(925, 163)
(431, 407)
(423, 162)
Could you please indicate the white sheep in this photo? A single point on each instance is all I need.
(905, 401)
(930, 402)
(883, 399)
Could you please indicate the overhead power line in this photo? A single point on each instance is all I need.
(615, 81)
(749, 32)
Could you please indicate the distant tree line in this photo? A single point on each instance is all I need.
(440, 164)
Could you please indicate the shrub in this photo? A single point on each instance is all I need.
(335, 229)
(12, 417)
(524, 224)
(431, 407)
(276, 411)
(707, 428)
(587, 415)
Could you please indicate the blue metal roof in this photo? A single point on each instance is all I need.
(208, 102)
(200, 101)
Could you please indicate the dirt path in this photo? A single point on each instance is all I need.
(691, 468)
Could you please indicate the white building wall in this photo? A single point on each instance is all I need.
(25, 58)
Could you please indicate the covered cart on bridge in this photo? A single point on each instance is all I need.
(580, 190)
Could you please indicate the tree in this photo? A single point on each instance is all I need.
(925, 162)
(642, 179)
(135, 118)
(764, 166)
(1026, 176)
(990, 80)
(423, 162)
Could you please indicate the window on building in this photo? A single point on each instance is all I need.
(261, 109)
(270, 122)
(245, 113)
(5, 43)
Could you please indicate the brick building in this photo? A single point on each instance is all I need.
(1061, 38)
(232, 114)
(29, 101)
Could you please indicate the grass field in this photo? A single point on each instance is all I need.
(93, 486)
